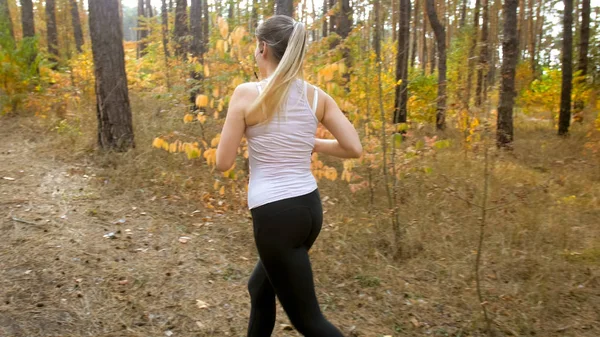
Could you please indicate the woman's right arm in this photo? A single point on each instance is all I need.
(346, 143)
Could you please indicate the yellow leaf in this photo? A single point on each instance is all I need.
(201, 101)
(223, 27)
(216, 114)
(202, 119)
(216, 185)
(173, 147)
(220, 107)
(157, 143)
(165, 146)
(188, 118)
(216, 92)
(206, 71)
(215, 141)
(222, 190)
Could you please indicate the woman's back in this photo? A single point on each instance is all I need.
(280, 150)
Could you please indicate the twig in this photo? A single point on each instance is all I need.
(23, 221)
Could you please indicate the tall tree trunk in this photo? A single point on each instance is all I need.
(149, 10)
(77, 31)
(5, 17)
(423, 59)
(164, 14)
(27, 18)
(521, 24)
(115, 131)
(440, 35)
(230, 12)
(181, 28)
(564, 118)
(197, 47)
(400, 111)
(532, 35)
(471, 57)
(481, 89)
(413, 54)
(142, 33)
(344, 19)
(377, 30)
(510, 51)
(285, 7)
(394, 16)
(463, 13)
(540, 35)
(51, 30)
(584, 43)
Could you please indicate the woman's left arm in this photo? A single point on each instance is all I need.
(234, 127)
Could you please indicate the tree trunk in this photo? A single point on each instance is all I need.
(181, 28)
(440, 35)
(332, 18)
(52, 33)
(5, 17)
(149, 10)
(254, 15)
(377, 31)
(197, 47)
(285, 7)
(532, 35)
(423, 58)
(463, 14)
(521, 24)
(413, 54)
(564, 118)
(345, 19)
(230, 12)
(142, 33)
(510, 51)
(584, 43)
(394, 16)
(27, 18)
(400, 111)
(481, 89)
(471, 62)
(77, 31)
(115, 131)
(325, 19)
(164, 14)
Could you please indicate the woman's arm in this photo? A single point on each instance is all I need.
(346, 143)
(234, 127)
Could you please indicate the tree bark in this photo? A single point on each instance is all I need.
(423, 59)
(197, 47)
(149, 10)
(400, 111)
(481, 89)
(332, 18)
(532, 35)
(27, 18)
(76, 21)
(164, 14)
(345, 19)
(52, 33)
(5, 16)
(377, 31)
(582, 63)
(181, 28)
(394, 15)
(115, 131)
(413, 53)
(440, 35)
(142, 33)
(285, 7)
(463, 13)
(254, 15)
(521, 24)
(510, 51)
(471, 62)
(564, 118)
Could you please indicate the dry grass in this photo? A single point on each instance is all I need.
(62, 278)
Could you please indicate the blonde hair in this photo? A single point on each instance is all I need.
(287, 41)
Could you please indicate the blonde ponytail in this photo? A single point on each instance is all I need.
(276, 33)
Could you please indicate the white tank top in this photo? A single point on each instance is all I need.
(280, 150)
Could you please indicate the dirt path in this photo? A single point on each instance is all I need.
(61, 276)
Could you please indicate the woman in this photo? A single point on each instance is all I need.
(279, 117)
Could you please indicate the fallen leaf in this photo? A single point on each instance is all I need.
(199, 324)
(169, 333)
(123, 282)
(415, 322)
(8, 178)
(184, 239)
(201, 304)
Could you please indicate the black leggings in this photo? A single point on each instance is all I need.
(284, 232)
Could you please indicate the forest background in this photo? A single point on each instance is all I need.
(473, 211)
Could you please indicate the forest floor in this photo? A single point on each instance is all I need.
(82, 257)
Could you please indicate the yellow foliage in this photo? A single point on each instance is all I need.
(223, 27)
(216, 185)
(201, 101)
(215, 141)
(158, 142)
(206, 71)
(220, 106)
(211, 157)
(202, 119)
(188, 118)
(222, 190)
(216, 92)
